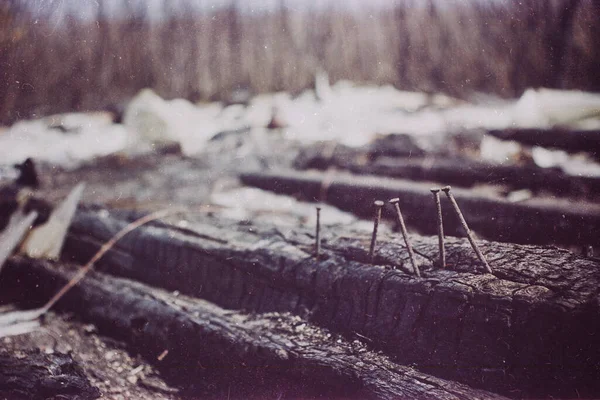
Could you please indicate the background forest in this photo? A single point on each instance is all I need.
(58, 56)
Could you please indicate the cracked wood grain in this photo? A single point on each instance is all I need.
(235, 346)
(534, 319)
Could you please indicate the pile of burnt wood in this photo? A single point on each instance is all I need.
(248, 303)
(342, 312)
(516, 201)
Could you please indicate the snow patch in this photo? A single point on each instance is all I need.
(349, 114)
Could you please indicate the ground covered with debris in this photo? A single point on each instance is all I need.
(243, 181)
(107, 365)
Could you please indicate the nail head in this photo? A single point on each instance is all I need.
(394, 200)
(378, 203)
(446, 188)
(434, 190)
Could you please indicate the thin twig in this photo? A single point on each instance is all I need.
(105, 248)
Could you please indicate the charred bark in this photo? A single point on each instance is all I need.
(529, 222)
(232, 345)
(34, 375)
(535, 319)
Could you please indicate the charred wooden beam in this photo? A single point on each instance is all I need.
(569, 140)
(34, 375)
(530, 222)
(467, 173)
(448, 170)
(199, 339)
(536, 319)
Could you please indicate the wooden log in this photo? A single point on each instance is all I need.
(534, 221)
(467, 173)
(34, 375)
(447, 170)
(536, 319)
(572, 141)
(199, 339)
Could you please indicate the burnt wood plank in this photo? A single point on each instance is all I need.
(535, 221)
(466, 173)
(568, 140)
(230, 344)
(535, 319)
(451, 170)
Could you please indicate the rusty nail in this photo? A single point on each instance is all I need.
(463, 222)
(318, 234)
(411, 253)
(440, 226)
(378, 205)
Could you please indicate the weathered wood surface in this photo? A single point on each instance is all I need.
(448, 170)
(231, 344)
(536, 319)
(534, 221)
(568, 140)
(34, 375)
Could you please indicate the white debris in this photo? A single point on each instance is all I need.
(18, 225)
(576, 165)
(546, 158)
(353, 115)
(87, 136)
(548, 108)
(247, 203)
(46, 241)
(19, 322)
(519, 195)
(499, 151)
(152, 120)
(349, 114)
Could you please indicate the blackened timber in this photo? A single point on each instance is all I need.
(468, 173)
(569, 140)
(529, 222)
(535, 319)
(462, 171)
(203, 340)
